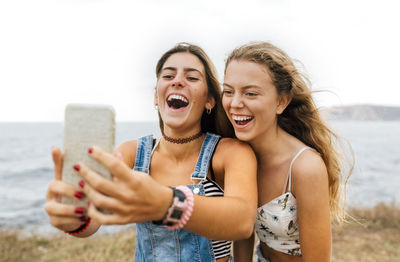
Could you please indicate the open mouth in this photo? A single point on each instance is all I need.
(177, 101)
(242, 120)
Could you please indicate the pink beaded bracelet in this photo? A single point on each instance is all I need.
(187, 212)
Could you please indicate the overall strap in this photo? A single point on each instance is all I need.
(206, 152)
(143, 153)
(290, 169)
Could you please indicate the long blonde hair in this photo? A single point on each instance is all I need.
(301, 117)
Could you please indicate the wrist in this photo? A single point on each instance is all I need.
(164, 202)
(80, 229)
(68, 228)
(75, 226)
(179, 210)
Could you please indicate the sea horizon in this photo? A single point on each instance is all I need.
(26, 165)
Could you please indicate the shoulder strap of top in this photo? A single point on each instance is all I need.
(289, 182)
(206, 152)
(143, 154)
(211, 167)
(156, 142)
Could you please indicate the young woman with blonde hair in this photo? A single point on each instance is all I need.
(270, 105)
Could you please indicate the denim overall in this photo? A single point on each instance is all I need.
(155, 242)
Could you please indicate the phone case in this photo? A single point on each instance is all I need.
(84, 127)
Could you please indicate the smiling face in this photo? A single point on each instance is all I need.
(250, 99)
(182, 93)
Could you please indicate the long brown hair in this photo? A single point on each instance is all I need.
(301, 117)
(216, 122)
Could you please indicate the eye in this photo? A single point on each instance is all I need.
(168, 76)
(191, 78)
(227, 92)
(251, 94)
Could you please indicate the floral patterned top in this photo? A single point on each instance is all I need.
(276, 223)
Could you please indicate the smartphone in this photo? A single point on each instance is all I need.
(86, 126)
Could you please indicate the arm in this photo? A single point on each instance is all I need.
(243, 249)
(216, 217)
(136, 197)
(312, 193)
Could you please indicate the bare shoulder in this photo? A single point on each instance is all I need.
(128, 151)
(234, 154)
(233, 147)
(309, 170)
(232, 159)
(235, 167)
(128, 145)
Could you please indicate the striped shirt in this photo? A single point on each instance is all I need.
(221, 248)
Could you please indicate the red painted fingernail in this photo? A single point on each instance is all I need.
(82, 184)
(78, 195)
(90, 150)
(77, 167)
(80, 210)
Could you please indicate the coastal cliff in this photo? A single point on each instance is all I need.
(362, 112)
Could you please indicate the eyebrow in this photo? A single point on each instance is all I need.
(186, 69)
(243, 87)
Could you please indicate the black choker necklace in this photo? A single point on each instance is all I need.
(181, 140)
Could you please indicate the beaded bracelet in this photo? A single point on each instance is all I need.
(175, 208)
(187, 210)
(82, 228)
(180, 209)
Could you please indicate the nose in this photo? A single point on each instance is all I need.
(237, 101)
(178, 81)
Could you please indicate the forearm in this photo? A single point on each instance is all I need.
(243, 249)
(224, 218)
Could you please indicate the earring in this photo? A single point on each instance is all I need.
(208, 111)
(156, 107)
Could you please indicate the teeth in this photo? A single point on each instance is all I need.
(241, 118)
(178, 97)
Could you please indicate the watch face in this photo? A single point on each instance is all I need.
(196, 190)
(177, 213)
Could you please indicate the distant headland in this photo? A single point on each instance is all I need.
(362, 113)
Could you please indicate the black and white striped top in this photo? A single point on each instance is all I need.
(220, 248)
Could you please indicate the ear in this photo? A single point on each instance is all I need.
(210, 103)
(284, 101)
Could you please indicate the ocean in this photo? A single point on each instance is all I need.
(26, 166)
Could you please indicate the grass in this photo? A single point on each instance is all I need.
(117, 247)
(373, 235)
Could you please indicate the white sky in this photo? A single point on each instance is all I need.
(57, 52)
